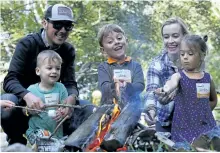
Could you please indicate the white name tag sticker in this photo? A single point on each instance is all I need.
(203, 90)
(122, 74)
(52, 98)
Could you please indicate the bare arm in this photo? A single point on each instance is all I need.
(168, 91)
(213, 95)
(172, 84)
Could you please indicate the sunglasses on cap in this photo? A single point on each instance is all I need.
(58, 25)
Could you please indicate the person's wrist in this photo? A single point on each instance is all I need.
(165, 88)
(72, 100)
(26, 96)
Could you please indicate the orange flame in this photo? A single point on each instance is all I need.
(103, 129)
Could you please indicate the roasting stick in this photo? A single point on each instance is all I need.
(31, 109)
(61, 122)
(53, 105)
(66, 105)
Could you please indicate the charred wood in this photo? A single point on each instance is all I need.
(121, 128)
(86, 132)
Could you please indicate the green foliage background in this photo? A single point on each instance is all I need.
(141, 21)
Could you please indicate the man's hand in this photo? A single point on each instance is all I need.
(150, 117)
(70, 100)
(6, 104)
(33, 102)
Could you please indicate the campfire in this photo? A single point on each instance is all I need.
(104, 126)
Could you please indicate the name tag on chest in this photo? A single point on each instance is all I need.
(52, 98)
(203, 90)
(122, 74)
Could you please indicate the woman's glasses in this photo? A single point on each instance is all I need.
(58, 25)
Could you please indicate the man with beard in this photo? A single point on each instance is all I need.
(57, 25)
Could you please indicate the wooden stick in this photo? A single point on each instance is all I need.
(54, 105)
(66, 105)
(31, 109)
(61, 122)
(118, 93)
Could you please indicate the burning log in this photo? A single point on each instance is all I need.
(86, 132)
(121, 128)
(106, 128)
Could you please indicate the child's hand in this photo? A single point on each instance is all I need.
(161, 96)
(70, 100)
(159, 92)
(59, 116)
(164, 97)
(66, 111)
(122, 83)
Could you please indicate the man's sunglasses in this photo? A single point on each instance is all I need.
(58, 25)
